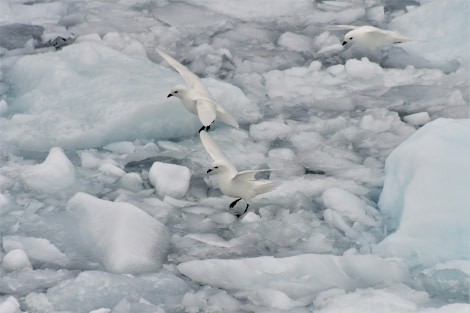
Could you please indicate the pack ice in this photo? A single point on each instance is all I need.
(123, 237)
(105, 204)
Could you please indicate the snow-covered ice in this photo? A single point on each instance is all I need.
(105, 203)
(294, 280)
(56, 173)
(170, 179)
(426, 194)
(123, 237)
(39, 250)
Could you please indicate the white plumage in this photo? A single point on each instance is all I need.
(370, 36)
(241, 185)
(196, 98)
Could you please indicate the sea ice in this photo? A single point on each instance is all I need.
(16, 259)
(417, 119)
(296, 42)
(25, 281)
(131, 181)
(441, 42)
(426, 195)
(299, 277)
(56, 173)
(348, 212)
(170, 179)
(135, 108)
(92, 290)
(124, 147)
(327, 116)
(10, 305)
(41, 252)
(449, 280)
(123, 237)
(210, 300)
(397, 298)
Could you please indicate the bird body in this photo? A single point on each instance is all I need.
(241, 185)
(196, 98)
(370, 36)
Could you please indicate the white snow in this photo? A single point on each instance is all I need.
(123, 237)
(170, 179)
(426, 195)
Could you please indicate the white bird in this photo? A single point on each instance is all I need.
(196, 98)
(370, 36)
(241, 185)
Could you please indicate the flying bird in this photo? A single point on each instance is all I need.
(240, 185)
(196, 98)
(370, 36)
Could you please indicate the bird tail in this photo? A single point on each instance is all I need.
(263, 187)
(226, 117)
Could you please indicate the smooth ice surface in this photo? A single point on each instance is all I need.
(298, 277)
(123, 237)
(426, 195)
(170, 179)
(108, 97)
(440, 42)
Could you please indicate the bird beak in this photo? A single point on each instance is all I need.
(169, 95)
(209, 170)
(344, 43)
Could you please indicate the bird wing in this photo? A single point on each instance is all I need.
(189, 77)
(250, 174)
(225, 117)
(205, 111)
(214, 150)
(340, 27)
(219, 112)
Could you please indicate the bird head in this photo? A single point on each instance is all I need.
(349, 37)
(177, 91)
(217, 167)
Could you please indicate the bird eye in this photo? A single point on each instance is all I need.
(350, 38)
(176, 91)
(216, 167)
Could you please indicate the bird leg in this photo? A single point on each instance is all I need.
(206, 128)
(234, 203)
(246, 209)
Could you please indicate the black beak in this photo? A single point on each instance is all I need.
(344, 43)
(209, 170)
(169, 95)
